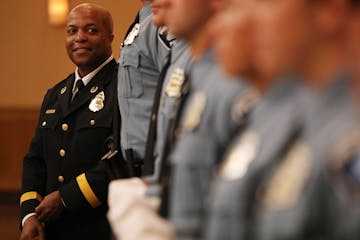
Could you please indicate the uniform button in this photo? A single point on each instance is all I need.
(153, 117)
(64, 127)
(92, 122)
(62, 153)
(43, 123)
(61, 179)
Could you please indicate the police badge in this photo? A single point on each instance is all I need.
(132, 35)
(97, 103)
(241, 155)
(174, 87)
(285, 186)
(194, 112)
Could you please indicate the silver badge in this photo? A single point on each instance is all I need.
(97, 103)
(177, 78)
(132, 35)
(237, 163)
(194, 112)
(63, 90)
(94, 89)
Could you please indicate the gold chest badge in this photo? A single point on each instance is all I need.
(237, 162)
(194, 112)
(174, 87)
(287, 183)
(97, 103)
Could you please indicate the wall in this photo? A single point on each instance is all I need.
(33, 53)
(33, 58)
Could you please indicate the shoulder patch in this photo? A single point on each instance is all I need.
(289, 179)
(194, 112)
(243, 105)
(238, 160)
(165, 38)
(132, 35)
(344, 165)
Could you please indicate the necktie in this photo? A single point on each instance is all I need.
(79, 85)
(151, 138)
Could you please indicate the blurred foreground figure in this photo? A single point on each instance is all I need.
(203, 129)
(282, 187)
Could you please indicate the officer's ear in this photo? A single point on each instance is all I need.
(330, 17)
(111, 37)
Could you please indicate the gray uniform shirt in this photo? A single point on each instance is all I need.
(140, 64)
(207, 126)
(333, 137)
(181, 61)
(274, 124)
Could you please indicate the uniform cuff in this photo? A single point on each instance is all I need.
(78, 194)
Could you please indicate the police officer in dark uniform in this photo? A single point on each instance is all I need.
(64, 183)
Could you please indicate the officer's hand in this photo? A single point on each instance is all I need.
(32, 230)
(122, 194)
(145, 223)
(50, 207)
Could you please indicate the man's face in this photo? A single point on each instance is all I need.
(184, 17)
(354, 47)
(88, 40)
(158, 10)
(281, 36)
(231, 31)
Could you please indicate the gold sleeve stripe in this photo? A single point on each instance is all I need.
(29, 196)
(87, 191)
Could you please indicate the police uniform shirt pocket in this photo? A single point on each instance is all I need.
(91, 133)
(129, 75)
(49, 119)
(94, 121)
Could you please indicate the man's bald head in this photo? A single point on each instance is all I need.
(89, 36)
(103, 13)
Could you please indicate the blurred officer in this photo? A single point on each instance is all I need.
(284, 196)
(209, 120)
(64, 186)
(276, 123)
(170, 94)
(333, 130)
(143, 55)
(296, 204)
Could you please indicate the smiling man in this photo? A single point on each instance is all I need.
(64, 185)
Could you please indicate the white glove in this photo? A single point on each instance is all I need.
(133, 216)
(122, 193)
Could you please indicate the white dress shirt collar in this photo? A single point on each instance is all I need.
(86, 79)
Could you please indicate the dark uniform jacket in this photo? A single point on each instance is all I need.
(65, 155)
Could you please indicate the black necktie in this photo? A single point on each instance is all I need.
(79, 85)
(151, 138)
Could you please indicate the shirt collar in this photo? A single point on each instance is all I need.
(86, 79)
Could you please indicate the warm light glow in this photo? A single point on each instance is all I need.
(57, 11)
